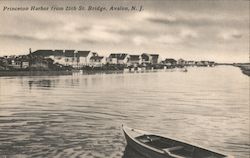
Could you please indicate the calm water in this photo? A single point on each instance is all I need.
(81, 115)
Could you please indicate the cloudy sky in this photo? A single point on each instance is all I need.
(191, 29)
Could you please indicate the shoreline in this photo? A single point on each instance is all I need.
(34, 73)
(72, 72)
(245, 69)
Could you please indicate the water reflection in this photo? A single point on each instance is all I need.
(131, 153)
(40, 83)
(81, 116)
(73, 82)
(50, 83)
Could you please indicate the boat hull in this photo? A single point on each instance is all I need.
(144, 150)
(156, 146)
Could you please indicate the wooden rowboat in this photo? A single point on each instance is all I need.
(156, 146)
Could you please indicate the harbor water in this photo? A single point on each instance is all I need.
(81, 115)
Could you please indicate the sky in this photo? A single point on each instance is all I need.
(215, 30)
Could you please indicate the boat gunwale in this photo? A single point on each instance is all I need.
(138, 142)
(172, 138)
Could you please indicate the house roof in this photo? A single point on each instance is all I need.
(48, 52)
(43, 52)
(154, 55)
(113, 55)
(134, 57)
(181, 59)
(69, 53)
(170, 60)
(96, 58)
(58, 53)
(83, 53)
(119, 56)
(145, 56)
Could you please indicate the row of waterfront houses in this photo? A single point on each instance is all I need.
(87, 58)
(71, 57)
(79, 59)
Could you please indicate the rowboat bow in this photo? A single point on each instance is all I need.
(156, 146)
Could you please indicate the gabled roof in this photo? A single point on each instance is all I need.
(119, 56)
(134, 57)
(122, 56)
(181, 59)
(170, 60)
(43, 52)
(145, 56)
(69, 53)
(96, 58)
(154, 55)
(58, 53)
(82, 53)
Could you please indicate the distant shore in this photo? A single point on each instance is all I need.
(72, 72)
(245, 68)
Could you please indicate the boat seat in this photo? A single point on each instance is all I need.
(172, 149)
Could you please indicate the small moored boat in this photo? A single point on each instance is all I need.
(156, 146)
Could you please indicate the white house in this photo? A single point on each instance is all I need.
(83, 57)
(181, 62)
(123, 59)
(70, 58)
(146, 59)
(119, 58)
(97, 61)
(135, 60)
(155, 58)
(58, 57)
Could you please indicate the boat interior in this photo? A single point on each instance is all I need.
(173, 147)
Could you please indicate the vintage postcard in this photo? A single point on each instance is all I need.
(124, 79)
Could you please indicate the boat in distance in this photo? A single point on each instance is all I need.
(156, 146)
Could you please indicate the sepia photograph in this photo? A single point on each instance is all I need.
(124, 79)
